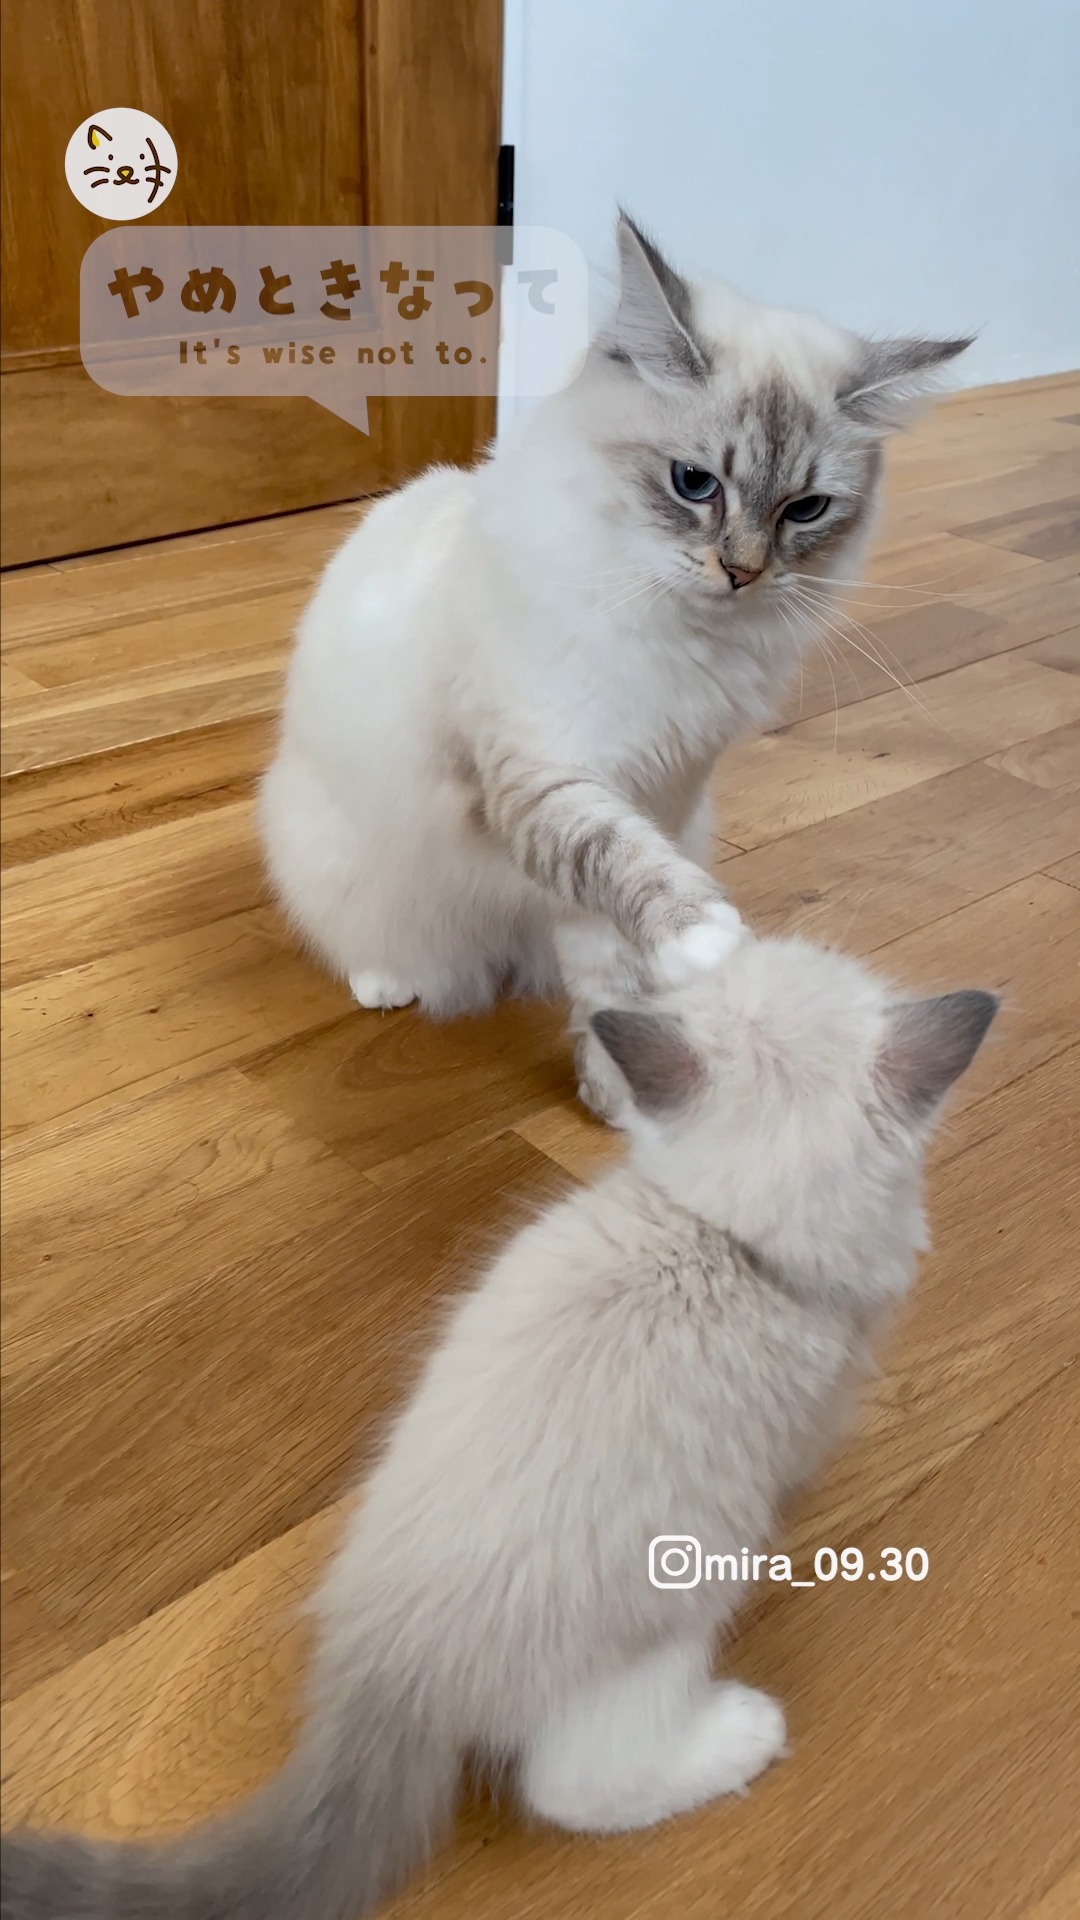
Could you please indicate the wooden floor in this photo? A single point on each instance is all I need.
(232, 1200)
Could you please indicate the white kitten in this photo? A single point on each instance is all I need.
(671, 1350)
(511, 686)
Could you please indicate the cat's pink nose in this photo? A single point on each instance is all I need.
(742, 576)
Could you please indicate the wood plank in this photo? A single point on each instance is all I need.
(1063, 1900)
(73, 907)
(869, 876)
(153, 579)
(167, 1011)
(573, 1139)
(97, 593)
(33, 1645)
(1067, 870)
(226, 1658)
(84, 802)
(399, 1097)
(263, 622)
(834, 763)
(944, 563)
(1022, 942)
(69, 723)
(1031, 462)
(332, 524)
(113, 1531)
(1062, 651)
(1052, 760)
(14, 682)
(1047, 593)
(38, 601)
(101, 1221)
(1047, 531)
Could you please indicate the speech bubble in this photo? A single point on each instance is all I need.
(338, 315)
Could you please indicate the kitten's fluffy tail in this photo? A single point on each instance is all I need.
(357, 1809)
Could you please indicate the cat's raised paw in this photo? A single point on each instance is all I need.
(380, 990)
(700, 948)
(601, 1087)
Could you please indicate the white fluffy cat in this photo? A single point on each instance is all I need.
(672, 1349)
(511, 686)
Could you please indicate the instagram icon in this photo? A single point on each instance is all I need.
(675, 1560)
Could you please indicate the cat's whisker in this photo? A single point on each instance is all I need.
(872, 586)
(606, 573)
(620, 600)
(825, 609)
(798, 647)
(871, 654)
(800, 628)
(845, 599)
(819, 626)
(810, 626)
(839, 604)
(875, 640)
(879, 647)
(829, 657)
(607, 581)
(817, 612)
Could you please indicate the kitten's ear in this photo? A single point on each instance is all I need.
(930, 1043)
(890, 377)
(97, 137)
(652, 1054)
(653, 327)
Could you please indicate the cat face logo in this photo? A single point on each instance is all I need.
(121, 164)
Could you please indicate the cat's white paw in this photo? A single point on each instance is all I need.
(601, 1087)
(700, 948)
(380, 990)
(738, 1735)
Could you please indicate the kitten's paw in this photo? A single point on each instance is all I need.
(700, 948)
(601, 1087)
(380, 990)
(739, 1734)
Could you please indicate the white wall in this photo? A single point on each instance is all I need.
(894, 163)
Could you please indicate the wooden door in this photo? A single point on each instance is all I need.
(291, 112)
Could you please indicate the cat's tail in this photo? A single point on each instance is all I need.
(359, 1807)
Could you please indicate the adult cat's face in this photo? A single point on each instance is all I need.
(745, 441)
(742, 488)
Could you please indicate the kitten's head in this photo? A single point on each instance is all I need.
(788, 1097)
(746, 439)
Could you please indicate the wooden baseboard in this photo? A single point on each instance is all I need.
(85, 469)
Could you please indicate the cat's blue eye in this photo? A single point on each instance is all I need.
(810, 507)
(693, 483)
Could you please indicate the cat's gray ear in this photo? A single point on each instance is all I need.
(930, 1043)
(654, 1057)
(653, 325)
(889, 378)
